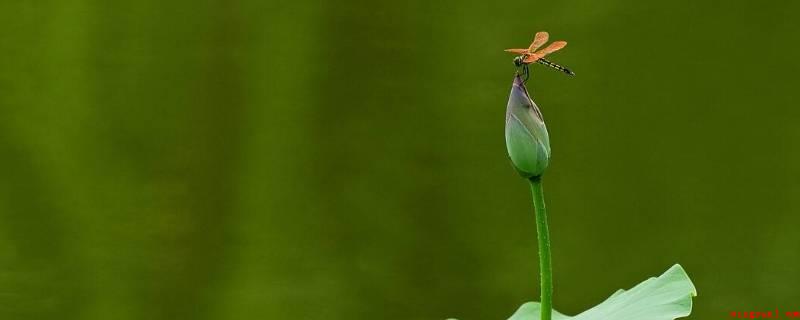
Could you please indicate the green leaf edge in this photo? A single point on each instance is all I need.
(681, 305)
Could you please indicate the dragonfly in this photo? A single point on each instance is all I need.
(531, 55)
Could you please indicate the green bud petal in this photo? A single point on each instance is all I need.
(526, 135)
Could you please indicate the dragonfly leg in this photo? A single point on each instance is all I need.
(526, 72)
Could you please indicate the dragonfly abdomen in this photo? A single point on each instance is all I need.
(556, 66)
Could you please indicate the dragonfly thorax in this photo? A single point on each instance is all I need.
(518, 61)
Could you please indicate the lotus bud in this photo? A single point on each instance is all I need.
(526, 135)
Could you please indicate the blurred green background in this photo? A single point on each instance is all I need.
(345, 159)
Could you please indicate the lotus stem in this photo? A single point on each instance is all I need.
(545, 267)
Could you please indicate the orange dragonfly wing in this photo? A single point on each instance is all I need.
(538, 40)
(531, 58)
(553, 47)
(517, 51)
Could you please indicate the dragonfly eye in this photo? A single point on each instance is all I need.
(518, 61)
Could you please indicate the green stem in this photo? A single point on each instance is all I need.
(545, 268)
